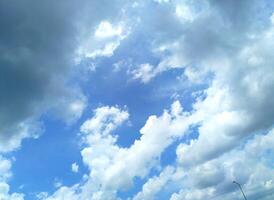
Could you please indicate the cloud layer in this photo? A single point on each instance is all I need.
(225, 48)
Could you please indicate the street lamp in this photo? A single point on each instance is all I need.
(239, 185)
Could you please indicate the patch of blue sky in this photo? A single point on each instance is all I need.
(47, 159)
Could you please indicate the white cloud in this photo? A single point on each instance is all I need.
(184, 13)
(4, 193)
(105, 120)
(106, 30)
(144, 72)
(154, 185)
(105, 40)
(5, 174)
(57, 183)
(115, 167)
(42, 195)
(75, 167)
(13, 137)
(250, 165)
(162, 1)
(5, 166)
(112, 167)
(237, 104)
(71, 108)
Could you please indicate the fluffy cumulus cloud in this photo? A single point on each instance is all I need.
(224, 47)
(113, 168)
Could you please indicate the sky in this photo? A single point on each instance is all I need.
(136, 99)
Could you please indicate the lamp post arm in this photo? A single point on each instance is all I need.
(239, 185)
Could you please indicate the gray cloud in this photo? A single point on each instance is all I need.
(38, 41)
(35, 52)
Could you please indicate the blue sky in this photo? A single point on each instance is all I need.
(136, 100)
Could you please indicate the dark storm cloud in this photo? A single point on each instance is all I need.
(35, 45)
(38, 40)
(33, 48)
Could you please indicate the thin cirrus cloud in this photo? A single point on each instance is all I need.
(225, 48)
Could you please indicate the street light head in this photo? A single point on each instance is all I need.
(236, 182)
(239, 185)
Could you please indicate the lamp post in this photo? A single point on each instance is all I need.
(239, 185)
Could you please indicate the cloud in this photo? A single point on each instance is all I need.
(11, 139)
(234, 48)
(230, 115)
(38, 51)
(4, 193)
(250, 165)
(144, 72)
(217, 42)
(5, 175)
(106, 30)
(228, 43)
(104, 41)
(154, 185)
(237, 104)
(35, 51)
(112, 167)
(105, 120)
(75, 167)
(192, 34)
